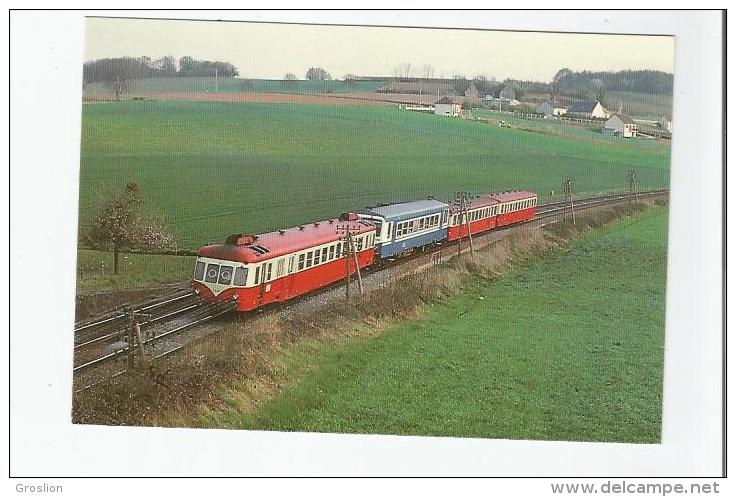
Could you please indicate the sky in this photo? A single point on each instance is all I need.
(268, 50)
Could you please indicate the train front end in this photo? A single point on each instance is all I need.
(220, 276)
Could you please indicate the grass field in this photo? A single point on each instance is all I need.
(569, 347)
(579, 132)
(640, 104)
(94, 270)
(212, 169)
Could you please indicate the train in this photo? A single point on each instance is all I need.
(257, 270)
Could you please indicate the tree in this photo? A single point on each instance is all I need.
(318, 74)
(405, 70)
(289, 79)
(427, 71)
(599, 89)
(118, 224)
(165, 65)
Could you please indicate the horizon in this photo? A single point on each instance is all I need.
(270, 50)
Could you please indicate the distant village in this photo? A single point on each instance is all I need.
(613, 123)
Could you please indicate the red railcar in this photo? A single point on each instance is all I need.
(487, 212)
(481, 216)
(514, 207)
(277, 266)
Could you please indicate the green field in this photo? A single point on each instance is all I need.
(568, 347)
(582, 132)
(212, 169)
(94, 270)
(640, 104)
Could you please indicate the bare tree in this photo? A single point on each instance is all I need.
(599, 89)
(119, 76)
(405, 69)
(289, 79)
(118, 224)
(427, 71)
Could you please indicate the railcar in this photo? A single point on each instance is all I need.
(277, 266)
(403, 227)
(514, 207)
(481, 216)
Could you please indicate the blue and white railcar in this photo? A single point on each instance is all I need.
(402, 227)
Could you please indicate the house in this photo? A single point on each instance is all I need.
(472, 92)
(446, 106)
(620, 125)
(665, 123)
(589, 109)
(550, 109)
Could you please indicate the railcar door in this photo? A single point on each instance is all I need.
(288, 277)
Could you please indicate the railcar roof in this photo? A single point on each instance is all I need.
(511, 196)
(407, 210)
(276, 243)
(476, 202)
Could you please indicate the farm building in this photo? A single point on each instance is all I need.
(589, 109)
(446, 106)
(665, 123)
(506, 94)
(620, 125)
(550, 109)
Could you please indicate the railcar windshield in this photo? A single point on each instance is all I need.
(199, 271)
(213, 270)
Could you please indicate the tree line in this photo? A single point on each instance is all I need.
(127, 68)
(594, 85)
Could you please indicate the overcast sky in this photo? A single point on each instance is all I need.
(271, 50)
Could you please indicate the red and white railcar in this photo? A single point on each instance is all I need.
(277, 266)
(481, 216)
(487, 212)
(514, 207)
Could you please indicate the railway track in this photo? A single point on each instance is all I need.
(103, 345)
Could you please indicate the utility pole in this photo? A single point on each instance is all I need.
(215, 80)
(568, 200)
(633, 191)
(349, 250)
(462, 200)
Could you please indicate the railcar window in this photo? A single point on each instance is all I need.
(360, 243)
(241, 275)
(226, 275)
(268, 271)
(309, 259)
(258, 274)
(332, 252)
(212, 271)
(324, 254)
(338, 250)
(301, 261)
(199, 270)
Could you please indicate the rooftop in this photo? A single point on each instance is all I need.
(246, 248)
(512, 195)
(445, 100)
(407, 210)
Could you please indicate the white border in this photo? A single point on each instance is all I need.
(44, 185)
